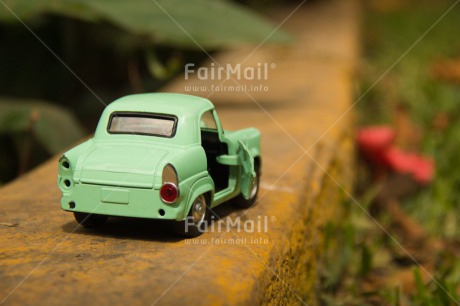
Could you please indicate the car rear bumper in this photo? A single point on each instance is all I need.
(121, 201)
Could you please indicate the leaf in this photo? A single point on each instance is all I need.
(192, 24)
(54, 127)
(397, 296)
(22, 9)
(444, 292)
(366, 260)
(422, 294)
(159, 70)
(208, 23)
(12, 10)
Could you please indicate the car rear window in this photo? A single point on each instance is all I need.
(142, 124)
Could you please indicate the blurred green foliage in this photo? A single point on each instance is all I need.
(413, 84)
(363, 263)
(189, 24)
(82, 54)
(33, 130)
(54, 128)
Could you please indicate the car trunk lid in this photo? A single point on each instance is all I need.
(121, 165)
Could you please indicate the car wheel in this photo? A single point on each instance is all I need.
(240, 201)
(89, 220)
(197, 219)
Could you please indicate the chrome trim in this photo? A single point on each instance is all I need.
(175, 175)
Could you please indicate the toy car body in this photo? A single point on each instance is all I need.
(160, 156)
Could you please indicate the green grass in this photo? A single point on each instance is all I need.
(357, 250)
(411, 83)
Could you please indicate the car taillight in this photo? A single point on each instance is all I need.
(169, 193)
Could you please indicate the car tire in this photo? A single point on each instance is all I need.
(90, 220)
(197, 219)
(240, 201)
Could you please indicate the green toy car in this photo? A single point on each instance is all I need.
(160, 156)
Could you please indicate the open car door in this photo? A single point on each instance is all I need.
(247, 171)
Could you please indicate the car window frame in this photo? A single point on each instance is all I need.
(211, 113)
(143, 115)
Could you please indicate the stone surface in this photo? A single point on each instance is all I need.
(45, 258)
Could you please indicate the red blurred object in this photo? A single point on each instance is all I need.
(421, 168)
(373, 141)
(376, 144)
(376, 137)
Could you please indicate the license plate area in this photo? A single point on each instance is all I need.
(115, 196)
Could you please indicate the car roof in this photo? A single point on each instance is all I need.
(162, 103)
(188, 110)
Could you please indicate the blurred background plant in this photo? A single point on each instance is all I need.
(76, 55)
(408, 252)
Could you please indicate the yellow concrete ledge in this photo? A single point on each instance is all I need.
(46, 259)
